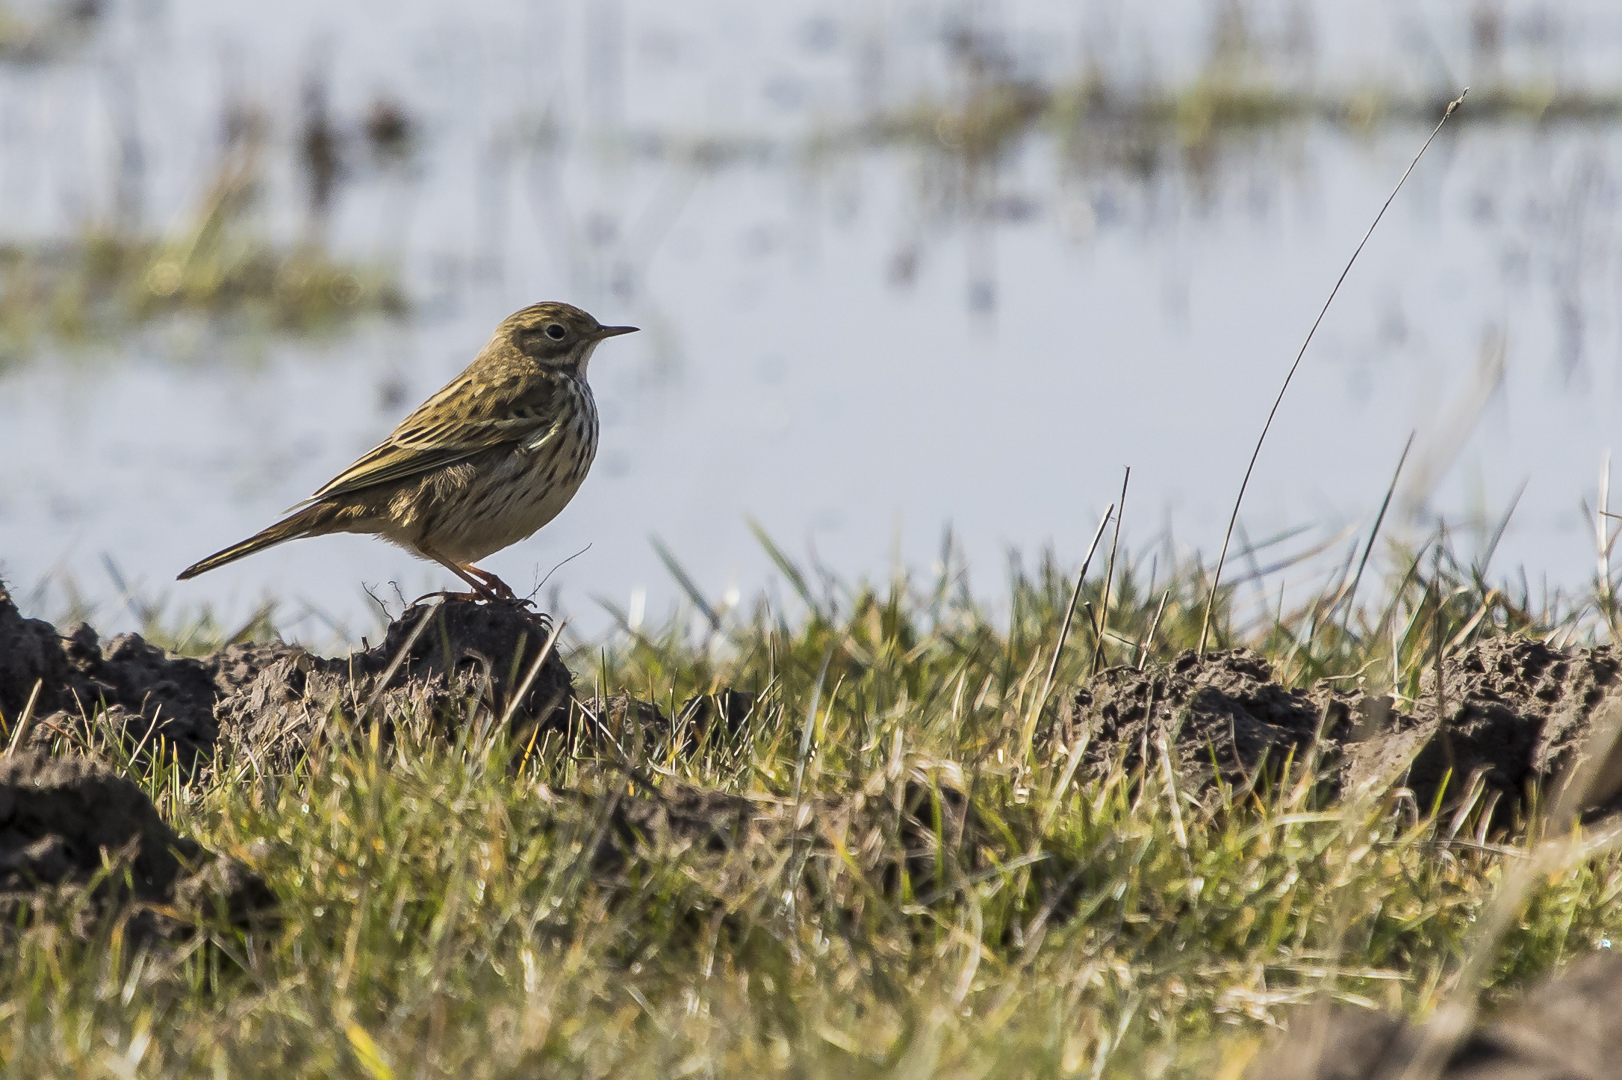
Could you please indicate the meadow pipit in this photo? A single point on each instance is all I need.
(482, 464)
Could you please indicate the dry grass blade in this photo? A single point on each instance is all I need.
(1604, 540)
(529, 676)
(1154, 624)
(399, 658)
(1216, 577)
(1349, 601)
(1064, 632)
(1109, 579)
(23, 719)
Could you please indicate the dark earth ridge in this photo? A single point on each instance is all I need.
(64, 821)
(270, 698)
(1514, 712)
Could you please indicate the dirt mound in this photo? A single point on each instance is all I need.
(150, 697)
(1514, 712)
(1221, 714)
(1513, 707)
(462, 657)
(61, 819)
(1565, 1028)
(269, 699)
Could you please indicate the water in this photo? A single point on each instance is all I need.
(854, 347)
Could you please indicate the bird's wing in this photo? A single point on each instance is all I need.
(464, 419)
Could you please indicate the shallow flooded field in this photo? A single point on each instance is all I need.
(898, 269)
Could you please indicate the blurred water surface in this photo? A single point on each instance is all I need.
(865, 317)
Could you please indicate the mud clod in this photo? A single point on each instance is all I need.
(1515, 712)
(270, 699)
(63, 820)
(234, 667)
(1219, 715)
(467, 655)
(153, 700)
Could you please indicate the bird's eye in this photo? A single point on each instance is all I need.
(556, 332)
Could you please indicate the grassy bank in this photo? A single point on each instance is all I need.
(924, 882)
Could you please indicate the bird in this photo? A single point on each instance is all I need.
(482, 464)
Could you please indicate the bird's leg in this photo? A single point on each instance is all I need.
(481, 591)
(502, 589)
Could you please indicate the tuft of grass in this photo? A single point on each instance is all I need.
(218, 266)
(92, 290)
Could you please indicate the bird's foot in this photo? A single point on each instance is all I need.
(499, 589)
(486, 586)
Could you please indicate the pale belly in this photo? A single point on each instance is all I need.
(479, 508)
(528, 494)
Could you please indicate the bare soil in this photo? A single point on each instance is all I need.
(465, 655)
(1221, 715)
(140, 690)
(1510, 718)
(63, 821)
(267, 700)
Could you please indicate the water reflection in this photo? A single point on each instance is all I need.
(948, 263)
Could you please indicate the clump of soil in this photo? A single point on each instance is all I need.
(147, 696)
(270, 699)
(1565, 1028)
(461, 655)
(1515, 708)
(1514, 713)
(1218, 715)
(63, 820)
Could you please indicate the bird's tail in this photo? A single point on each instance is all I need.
(311, 521)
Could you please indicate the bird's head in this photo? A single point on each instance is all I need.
(556, 335)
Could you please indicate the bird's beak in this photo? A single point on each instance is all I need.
(614, 331)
